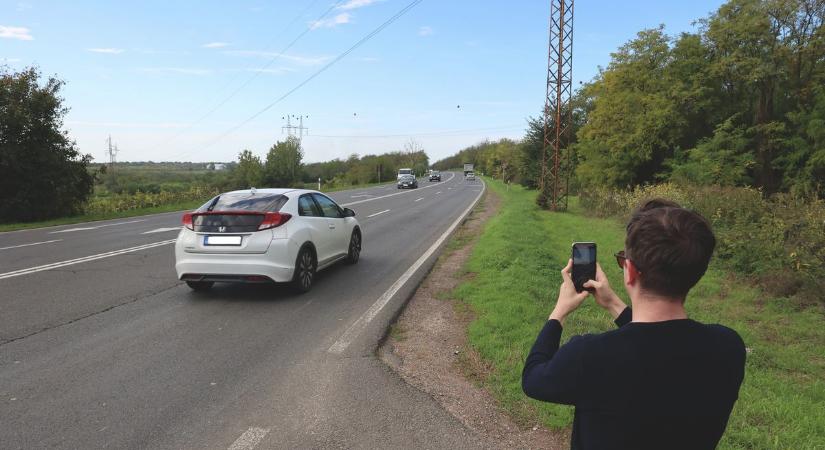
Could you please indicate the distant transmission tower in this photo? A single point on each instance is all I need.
(554, 181)
(292, 130)
(112, 156)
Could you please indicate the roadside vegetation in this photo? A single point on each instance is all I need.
(513, 283)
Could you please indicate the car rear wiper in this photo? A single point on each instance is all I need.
(214, 202)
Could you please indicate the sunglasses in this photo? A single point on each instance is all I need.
(621, 258)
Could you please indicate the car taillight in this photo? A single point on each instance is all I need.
(274, 219)
(187, 221)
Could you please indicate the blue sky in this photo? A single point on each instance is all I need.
(150, 72)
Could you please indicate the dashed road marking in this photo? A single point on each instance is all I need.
(390, 195)
(249, 439)
(97, 226)
(380, 212)
(161, 230)
(419, 199)
(29, 245)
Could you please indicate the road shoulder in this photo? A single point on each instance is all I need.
(427, 346)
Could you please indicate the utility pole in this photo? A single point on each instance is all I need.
(554, 181)
(291, 129)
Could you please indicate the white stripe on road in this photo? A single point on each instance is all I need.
(382, 212)
(98, 226)
(419, 199)
(161, 230)
(437, 192)
(359, 196)
(249, 439)
(29, 245)
(70, 262)
(359, 325)
(392, 195)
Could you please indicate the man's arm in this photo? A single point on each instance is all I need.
(607, 299)
(551, 373)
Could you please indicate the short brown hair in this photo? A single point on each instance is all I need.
(671, 246)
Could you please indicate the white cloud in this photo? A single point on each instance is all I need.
(355, 4)
(215, 45)
(21, 33)
(10, 60)
(331, 23)
(178, 70)
(22, 6)
(110, 51)
(303, 60)
(426, 31)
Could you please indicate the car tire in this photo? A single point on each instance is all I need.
(305, 266)
(354, 251)
(200, 286)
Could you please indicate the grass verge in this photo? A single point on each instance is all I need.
(516, 265)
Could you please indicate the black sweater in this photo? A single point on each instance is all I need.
(658, 385)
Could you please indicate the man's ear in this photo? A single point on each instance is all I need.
(631, 273)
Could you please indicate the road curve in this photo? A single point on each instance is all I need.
(101, 346)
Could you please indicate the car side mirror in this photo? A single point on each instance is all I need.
(349, 213)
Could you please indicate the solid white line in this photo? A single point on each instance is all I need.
(359, 325)
(249, 439)
(391, 195)
(419, 199)
(161, 230)
(382, 212)
(29, 245)
(70, 262)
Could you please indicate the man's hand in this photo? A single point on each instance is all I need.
(605, 297)
(569, 299)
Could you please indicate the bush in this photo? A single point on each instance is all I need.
(779, 240)
(139, 200)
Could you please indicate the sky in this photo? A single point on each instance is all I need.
(202, 80)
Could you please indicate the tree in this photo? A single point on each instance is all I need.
(42, 174)
(283, 163)
(248, 172)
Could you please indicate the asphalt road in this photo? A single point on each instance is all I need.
(102, 347)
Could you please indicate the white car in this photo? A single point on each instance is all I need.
(264, 236)
(470, 176)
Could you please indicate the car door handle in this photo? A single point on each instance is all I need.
(332, 227)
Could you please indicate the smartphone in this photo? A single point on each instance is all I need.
(584, 263)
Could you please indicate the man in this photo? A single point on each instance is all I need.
(661, 380)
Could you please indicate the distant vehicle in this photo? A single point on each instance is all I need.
(435, 175)
(402, 172)
(470, 176)
(407, 181)
(467, 168)
(264, 236)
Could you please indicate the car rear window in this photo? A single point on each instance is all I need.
(405, 172)
(245, 202)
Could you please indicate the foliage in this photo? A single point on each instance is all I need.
(360, 170)
(141, 200)
(515, 268)
(283, 163)
(42, 174)
(249, 172)
(780, 239)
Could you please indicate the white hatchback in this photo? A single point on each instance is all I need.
(264, 236)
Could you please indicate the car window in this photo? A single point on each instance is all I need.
(328, 207)
(307, 207)
(245, 202)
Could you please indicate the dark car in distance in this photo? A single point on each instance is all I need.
(435, 175)
(407, 181)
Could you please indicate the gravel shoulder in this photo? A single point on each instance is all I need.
(427, 347)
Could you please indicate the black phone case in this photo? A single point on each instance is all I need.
(582, 273)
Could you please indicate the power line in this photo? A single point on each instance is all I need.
(338, 58)
(426, 133)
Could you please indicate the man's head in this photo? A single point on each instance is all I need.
(668, 249)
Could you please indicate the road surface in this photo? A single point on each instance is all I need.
(102, 347)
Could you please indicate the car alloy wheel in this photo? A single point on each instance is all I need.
(354, 248)
(304, 271)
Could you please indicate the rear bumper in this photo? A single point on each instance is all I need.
(277, 264)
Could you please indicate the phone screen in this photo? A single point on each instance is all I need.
(584, 263)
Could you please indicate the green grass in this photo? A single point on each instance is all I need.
(517, 262)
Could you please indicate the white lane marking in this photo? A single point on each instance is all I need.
(382, 212)
(419, 199)
(361, 323)
(98, 226)
(437, 192)
(161, 230)
(29, 245)
(249, 439)
(359, 196)
(70, 262)
(392, 195)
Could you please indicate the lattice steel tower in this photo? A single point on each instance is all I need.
(554, 181)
